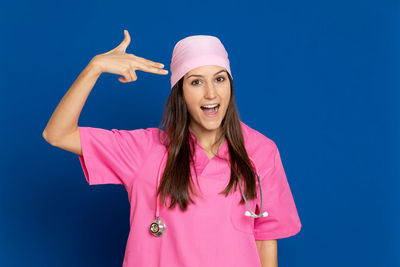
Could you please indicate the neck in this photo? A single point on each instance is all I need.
(207, 138)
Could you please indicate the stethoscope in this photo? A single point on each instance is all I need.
(157, 227)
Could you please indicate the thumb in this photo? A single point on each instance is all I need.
(124, 44)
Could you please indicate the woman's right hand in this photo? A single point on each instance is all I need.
(116, 61)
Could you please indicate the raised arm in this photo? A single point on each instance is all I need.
(62, 129)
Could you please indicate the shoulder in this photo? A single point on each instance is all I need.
(139, 136)
(260, 148)
(254, 139)
(139, 132)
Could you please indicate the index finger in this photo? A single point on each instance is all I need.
(152, 63)
(148, 68)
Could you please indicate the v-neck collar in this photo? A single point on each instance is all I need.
(200, 156)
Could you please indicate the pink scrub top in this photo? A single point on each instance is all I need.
(212, 232)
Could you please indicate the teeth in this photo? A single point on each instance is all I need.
(210, 106)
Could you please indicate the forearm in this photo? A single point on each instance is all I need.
(268, 252)
(64, 119)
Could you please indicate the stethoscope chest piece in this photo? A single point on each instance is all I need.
(157, 227)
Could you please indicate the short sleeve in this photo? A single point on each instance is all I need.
(282, 220)
(113, 156)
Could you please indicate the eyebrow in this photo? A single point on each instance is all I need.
(195, 75)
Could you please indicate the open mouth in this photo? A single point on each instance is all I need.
(210, 110)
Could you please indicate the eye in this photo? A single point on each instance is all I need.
(193, 82)
(223, 78)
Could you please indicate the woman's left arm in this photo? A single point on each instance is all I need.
(268, 252)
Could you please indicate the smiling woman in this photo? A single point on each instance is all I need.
(201, 118)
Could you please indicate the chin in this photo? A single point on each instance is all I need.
(211, 126)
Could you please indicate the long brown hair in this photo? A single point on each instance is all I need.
(176, 180)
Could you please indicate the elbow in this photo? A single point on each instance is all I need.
(46, 137)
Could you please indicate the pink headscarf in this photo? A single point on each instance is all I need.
(195, 51)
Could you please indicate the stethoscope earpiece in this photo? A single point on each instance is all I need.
(247, 213)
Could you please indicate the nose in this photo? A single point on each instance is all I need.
(210, 91)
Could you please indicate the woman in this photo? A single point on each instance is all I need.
(182, 178)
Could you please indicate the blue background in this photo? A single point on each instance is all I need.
(319, 78)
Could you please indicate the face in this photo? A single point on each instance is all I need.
(202, 87)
